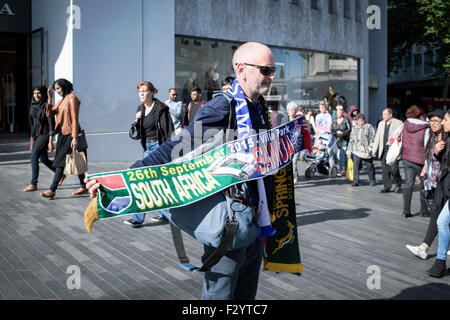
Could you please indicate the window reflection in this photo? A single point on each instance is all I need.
(302, 76)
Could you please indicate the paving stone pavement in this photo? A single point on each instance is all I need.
(347, 235)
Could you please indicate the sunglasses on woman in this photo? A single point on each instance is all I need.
(265, 71)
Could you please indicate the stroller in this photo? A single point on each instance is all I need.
(321, 161)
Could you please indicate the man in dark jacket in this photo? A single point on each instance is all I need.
(236, 275)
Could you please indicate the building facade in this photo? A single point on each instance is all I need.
(418, 80)
(106, 47)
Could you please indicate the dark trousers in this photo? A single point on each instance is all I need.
(390, 173)
(59, 171)
(357, 164)
(39, 152)
(235, 276)
(412, 170)
(432, 230)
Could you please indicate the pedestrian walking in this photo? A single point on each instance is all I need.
(68, 128)
(341, 130)
(156, 127)
(42, 132)
(360, 148)
(439, 268)
(236, 274)
(175, 109)
(436, 147)
(385, 130)
(414, 137)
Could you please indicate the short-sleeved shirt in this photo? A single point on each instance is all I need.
(323, 121)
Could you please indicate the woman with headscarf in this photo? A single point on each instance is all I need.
(67, 127)
(41, 134)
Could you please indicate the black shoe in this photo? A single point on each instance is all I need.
(133, 223)
(354, 184)
(385, 191)
(425, 214)
(159, 219)
(407, 215)
(438, 270)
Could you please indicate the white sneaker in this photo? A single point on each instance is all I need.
(418, 251)
(448, 252)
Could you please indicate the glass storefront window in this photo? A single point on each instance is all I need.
(302, 76)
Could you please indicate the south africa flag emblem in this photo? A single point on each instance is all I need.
(117, 198)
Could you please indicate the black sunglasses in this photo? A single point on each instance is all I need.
(265, 71)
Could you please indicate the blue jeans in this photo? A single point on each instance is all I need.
(443, 232)
(151, 146)
(342, 154)
(235, 276)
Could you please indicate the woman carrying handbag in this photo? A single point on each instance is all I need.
(155, 126)
(68, 128)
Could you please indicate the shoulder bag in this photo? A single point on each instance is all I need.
(225, 220)
(135, 128)
(395, 147)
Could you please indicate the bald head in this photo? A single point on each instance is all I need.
(248, 51)
(247, 61)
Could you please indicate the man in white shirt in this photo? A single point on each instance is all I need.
(175, 109)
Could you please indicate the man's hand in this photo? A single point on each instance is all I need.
(93, 186)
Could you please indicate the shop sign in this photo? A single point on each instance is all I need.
(6, 10)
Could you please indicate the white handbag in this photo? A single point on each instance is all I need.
(395, 147)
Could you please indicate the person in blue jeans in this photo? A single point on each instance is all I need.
(156, 127)
(439, 268)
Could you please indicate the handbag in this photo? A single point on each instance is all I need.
(82, 142)
(394, 152)
(135, 131)
(135, 128)
(349, 174)
(395, 147)
(427, 196)
(76, 163)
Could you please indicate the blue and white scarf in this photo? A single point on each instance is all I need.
(244, 125)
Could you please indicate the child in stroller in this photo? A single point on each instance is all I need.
(320, 160)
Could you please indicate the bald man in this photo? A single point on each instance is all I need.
(235, 276)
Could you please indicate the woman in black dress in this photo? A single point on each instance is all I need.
(41, 134)
(67, 127)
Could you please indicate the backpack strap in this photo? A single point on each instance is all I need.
(231, 226)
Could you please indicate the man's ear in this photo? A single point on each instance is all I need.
(241, 71)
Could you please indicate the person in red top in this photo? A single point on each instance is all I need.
(414, 138)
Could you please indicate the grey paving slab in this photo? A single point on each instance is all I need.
(342, 231)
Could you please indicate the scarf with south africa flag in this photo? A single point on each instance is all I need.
(178, 184)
